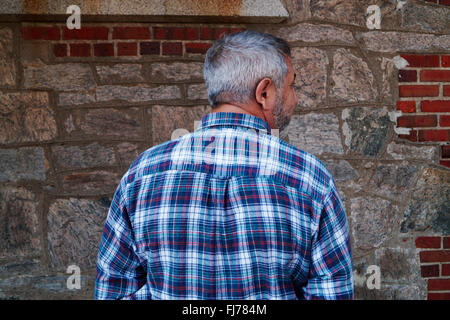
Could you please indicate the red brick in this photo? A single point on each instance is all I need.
(445, 61)
(429, 271)
(206, 34)
(435, 106)
(419, 91)
(445, 163)
(438, 284)
(428, 242)
(434, 135)
(60, 50)
(439, 296)
(233, 30)
(127, 49)
(412, 136)
(40, 33)
(175, 33)
(417, 121)
(446, 91)
(197, 47)
(172, 48)
(86, 33)
(80, 49)
(446, 154)
(444, 121)
(445, 2)
(435, 256)
(406, 106)
(103, 49)
(435, 75)
(150, 48)
(131, 33)
(407, 75)
(220, 32)
(417, 60)
(447, 239)
(445, 269)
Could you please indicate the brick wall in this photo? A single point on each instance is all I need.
(424, 92)
(435, 265)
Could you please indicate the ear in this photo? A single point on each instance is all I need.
(265, 93)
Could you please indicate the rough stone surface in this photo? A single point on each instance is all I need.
(74, 231)
(63, 77)
(197, 91)
(390, 292)
(92, 182)
(19, 234)
(394, 180)
(307, 32)
(397, 264)
(365, 129)
(7, 65)
(177, 71)
(315, 133)
(26, 117)
(341, 170)
(27, 163)
(310, 65)
(372, 221)
(393, 41)
(139, 93)
(387, 68)
(19, 267)
(429, 208)
(400, 151)
(167, 119)
(92, 155)
(352, 79)
(110, 122)
(119, 73)
(128, 152)
(435, 19)
(75, 98)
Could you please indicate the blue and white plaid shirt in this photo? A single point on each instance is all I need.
(229, 211)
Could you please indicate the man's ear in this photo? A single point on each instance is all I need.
(263, 92)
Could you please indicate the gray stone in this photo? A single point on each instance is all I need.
(310, 65)
(387, 68)
(165, 120)
(365, 129)
(74, 232)
(63, 77)
(19, 235)
(372, 221)
(112, 122)
(27, 163)
(397, 265)
(91, 182)
(429, 208)
(177, 71)
(19, 267)
(311, 33)
(120, 73)
(352, 79)
(128, 152)
(92, 155)
(390, 292)
(425, 18)
(394, 180)
(26, 117)
(400, 151)
(197, 91)
(139, 93)
(315, 133)
(7, 64)
(75, 98)
(399, 42)
(341, 170)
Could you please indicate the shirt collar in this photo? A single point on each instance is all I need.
(234, 119)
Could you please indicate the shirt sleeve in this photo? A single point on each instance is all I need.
(120, 271)
(331, 273)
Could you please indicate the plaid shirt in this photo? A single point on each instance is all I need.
(229, 211)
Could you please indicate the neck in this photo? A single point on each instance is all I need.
(253, 110)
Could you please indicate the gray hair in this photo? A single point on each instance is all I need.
(235, 64)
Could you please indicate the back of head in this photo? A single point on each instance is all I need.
(235, 64)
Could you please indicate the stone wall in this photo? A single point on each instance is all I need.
(78, 106)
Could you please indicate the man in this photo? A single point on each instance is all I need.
(230, 211)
